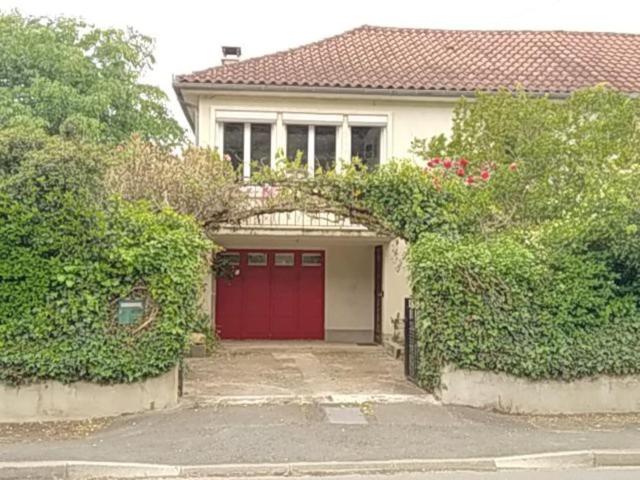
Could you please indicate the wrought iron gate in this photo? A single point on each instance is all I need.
(411, 352)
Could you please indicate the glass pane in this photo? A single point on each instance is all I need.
(325, 147)
(297, 138)
(261, 143)
(233, 143)
(311, 259)
(230, 258)
(256, 259)
(365, 144)
(284, 259)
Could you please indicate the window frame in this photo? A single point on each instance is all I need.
(247, 160)
(311, 143)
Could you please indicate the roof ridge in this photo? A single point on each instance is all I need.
(492, 30)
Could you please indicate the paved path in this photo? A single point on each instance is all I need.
(296, 433)
(286, 370)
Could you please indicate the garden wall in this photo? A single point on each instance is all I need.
(510, 394)
(52, 400)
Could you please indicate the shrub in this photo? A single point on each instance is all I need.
(509, 305)
(68, 254)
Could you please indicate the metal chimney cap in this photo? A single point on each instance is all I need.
(236, 51)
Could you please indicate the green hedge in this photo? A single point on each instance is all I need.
(505, 305)
(68, 255)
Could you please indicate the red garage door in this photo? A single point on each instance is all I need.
(272, 294)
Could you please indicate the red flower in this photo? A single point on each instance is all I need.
(447, 163)
(469, 180)
(463, 162)
(485, 175)
(460, 172)
(513, 167)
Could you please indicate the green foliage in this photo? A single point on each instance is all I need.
(68, 254)
(563, 152)
(541, 279)
(72, 79)
(510, 305)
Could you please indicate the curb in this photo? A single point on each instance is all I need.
(80, 470)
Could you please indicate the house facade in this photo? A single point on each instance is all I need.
(366, 93)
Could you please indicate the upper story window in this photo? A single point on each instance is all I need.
(365, 144)
(298, 141)
(260, 151)
(316, 143)
(234, 143)
(325, 147)
(247, 144)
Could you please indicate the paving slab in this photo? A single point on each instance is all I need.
(296, 372)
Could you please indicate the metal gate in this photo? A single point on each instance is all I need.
(411, 349)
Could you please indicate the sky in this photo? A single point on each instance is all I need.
(189, 33)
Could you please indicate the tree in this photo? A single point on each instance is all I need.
(69, 78)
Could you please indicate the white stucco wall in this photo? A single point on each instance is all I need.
(407, 118)
(395, 284)
(347, 301)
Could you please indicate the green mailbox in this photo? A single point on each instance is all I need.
(130, 311)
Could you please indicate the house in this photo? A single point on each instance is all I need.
(367, 93)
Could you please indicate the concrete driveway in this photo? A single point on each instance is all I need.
(301, 372)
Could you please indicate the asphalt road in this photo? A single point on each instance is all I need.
(604, 474)
(306, 433)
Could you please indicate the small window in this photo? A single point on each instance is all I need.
(311, 259)
(257, 259)
(233, 143)
(284, 260)
(325, 154)
(365, 144)
(230, 258)
(261, 144)
(297, 141)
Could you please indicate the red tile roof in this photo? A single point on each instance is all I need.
(443, 60)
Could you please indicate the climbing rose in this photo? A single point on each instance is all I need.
(460, 172)
(485, 175)
(469, 180)
(447, 163)
(463, 162)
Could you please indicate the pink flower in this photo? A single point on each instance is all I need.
(447, 163)
(463, 162)
(485, 175)
(513, 167)
(469, 180)
(460, 172)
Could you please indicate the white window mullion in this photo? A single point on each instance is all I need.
(246, 161)
(311, 149)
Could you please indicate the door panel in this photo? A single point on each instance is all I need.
(284, 295)
(378, 294)
(311, 298)
(255, 301)
(276, 294)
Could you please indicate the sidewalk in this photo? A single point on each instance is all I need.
(235, 434)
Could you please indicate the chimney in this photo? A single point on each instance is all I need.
(231, 55)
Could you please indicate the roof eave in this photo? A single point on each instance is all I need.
(183, 106)
(394, 92)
